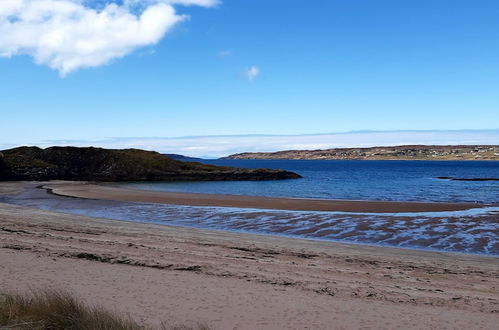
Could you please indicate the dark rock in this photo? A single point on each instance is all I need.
(466, 179)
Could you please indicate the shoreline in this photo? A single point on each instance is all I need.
(246, 281)
(15, 187)
(101, 192)
(370, 159)
(372, 229)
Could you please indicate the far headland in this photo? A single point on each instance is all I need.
(403, 152)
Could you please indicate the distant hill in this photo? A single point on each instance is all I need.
(97, 164)
(408, 152)
(182, 158)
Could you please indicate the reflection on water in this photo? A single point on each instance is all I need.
(472, 231)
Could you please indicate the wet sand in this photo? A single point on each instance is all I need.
(94, 191)
(243, 281)
(469, 231)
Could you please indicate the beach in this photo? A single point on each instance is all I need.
(249, 165)
(243, 281)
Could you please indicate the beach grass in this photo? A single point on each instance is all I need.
(57, 309)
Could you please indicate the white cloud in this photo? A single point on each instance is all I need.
(250, 73)
(68, 35)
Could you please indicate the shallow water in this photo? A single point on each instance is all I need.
(470, 231)
(357, 180)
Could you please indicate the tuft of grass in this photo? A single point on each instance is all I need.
(55, 309)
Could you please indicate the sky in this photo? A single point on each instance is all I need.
(103, 72)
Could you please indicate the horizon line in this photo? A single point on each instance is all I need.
(275, 135)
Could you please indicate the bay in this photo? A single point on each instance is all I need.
(356, 180)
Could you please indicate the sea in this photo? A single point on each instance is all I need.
(357, 180)
(471, 231)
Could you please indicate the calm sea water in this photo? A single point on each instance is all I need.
(357, 180)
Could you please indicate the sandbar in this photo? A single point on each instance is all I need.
(105, 192)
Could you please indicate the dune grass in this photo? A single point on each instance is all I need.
(53, 310)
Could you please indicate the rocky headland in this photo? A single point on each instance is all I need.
(97, 164)
(406, 152)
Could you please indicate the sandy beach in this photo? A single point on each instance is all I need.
(243, 281)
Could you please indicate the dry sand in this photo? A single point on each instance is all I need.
(93, 191)
(242, 281)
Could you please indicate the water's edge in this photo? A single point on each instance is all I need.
(471, 231)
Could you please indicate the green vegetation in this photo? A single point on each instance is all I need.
(97, 164)
(57, 310)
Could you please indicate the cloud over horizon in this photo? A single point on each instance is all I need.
(218, 146)
(68, 35)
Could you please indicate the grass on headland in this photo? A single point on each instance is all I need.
(54, 310)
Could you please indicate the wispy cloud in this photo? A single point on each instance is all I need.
(217, 146)
(250, 73)
(225, 53)
(68, 35)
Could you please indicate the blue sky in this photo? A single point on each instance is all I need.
(252, 67)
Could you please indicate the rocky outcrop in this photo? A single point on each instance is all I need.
(466, 179)
(97, 164)
(409, 152)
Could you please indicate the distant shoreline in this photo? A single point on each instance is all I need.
(373, 160)
(403, 152)
(94, 191)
